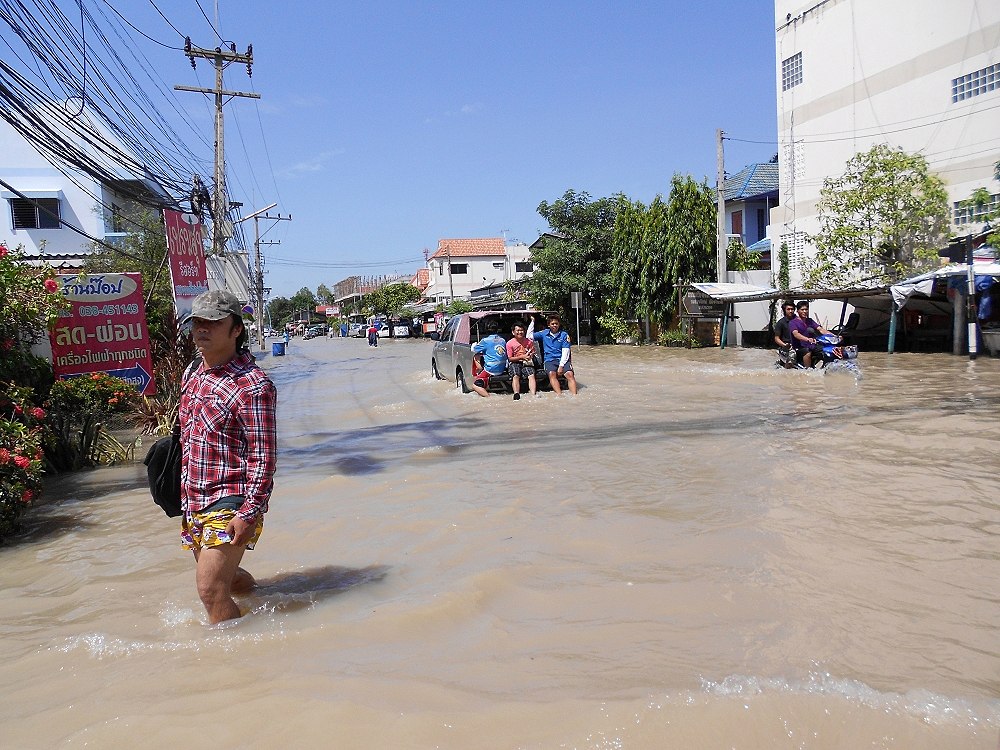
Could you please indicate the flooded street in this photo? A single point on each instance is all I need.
(698, 551)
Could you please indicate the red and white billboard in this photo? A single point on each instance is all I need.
(186, 248)
(104, 329)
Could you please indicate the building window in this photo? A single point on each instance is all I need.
(737, 222)
(761, 224)
(964, 214)
(791, 71)
(40, 213)
(441, 270)
(524, 266)
(459, 268)
(498, 266)
(117, 220)
(974, 84)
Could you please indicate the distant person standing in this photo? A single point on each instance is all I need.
(373, 335)
(556, 356)
(228, 452)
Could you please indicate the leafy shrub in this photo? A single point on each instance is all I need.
(20, 454)
(677, 337)
(618, 328)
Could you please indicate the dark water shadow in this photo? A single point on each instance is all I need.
(303, 588)
(38, 527)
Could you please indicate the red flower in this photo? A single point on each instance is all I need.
(22, 462)
(51, 285)
(38, 413)
(4, 456)
(26, 496)
(18, 410)
(6, 344)
(3, 251)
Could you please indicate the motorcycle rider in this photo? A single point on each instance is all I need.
(782, 336)
(804, 331)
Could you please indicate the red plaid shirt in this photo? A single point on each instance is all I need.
(228, 436)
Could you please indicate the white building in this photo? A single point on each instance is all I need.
(42, 203)
(922, 75)
(460, 265)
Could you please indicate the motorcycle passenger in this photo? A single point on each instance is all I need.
(804, 331)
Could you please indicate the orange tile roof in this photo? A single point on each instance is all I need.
(421, 278)
(470, 247)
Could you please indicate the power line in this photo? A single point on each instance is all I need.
(166, 19)
(139, 31)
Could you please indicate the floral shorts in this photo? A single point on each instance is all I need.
(207, 528)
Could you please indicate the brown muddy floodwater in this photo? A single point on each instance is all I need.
(698, 551)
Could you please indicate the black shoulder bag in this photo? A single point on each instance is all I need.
(163, 463)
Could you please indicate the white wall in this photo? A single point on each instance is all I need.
(880, 72)
(482, 271)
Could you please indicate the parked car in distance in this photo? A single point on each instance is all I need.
(452, 359)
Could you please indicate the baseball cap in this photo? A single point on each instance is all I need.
(216, 304)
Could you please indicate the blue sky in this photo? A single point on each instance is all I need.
(384, 126)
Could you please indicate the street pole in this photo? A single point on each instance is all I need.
(221, 58)
(451, 285)
(720, 212)
(971, 313)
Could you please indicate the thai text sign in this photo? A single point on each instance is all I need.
(104, 330)
(187, 259)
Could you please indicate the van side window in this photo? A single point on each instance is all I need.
(449, 330)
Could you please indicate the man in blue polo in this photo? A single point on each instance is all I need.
(556, 357)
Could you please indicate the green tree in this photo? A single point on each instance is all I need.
(282, 310)
(457, 307)
(626, 259)
(303, 304)
(978, 206)
(324, 295)
(882, 220)
(690, 236)
(391, 298)
(578, 257)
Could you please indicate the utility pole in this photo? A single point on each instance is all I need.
(720, 214)
(451, 285)
(221, 58)
(258, 287)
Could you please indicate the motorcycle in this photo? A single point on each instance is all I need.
(829, 354)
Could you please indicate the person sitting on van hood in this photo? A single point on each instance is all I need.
(494, 350)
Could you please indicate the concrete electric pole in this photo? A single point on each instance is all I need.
(720, 215)
(221, 58)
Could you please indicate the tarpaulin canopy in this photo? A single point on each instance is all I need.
(924, 283)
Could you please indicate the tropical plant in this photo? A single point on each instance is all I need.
(78, 408)
(391, 298)
(883, 219)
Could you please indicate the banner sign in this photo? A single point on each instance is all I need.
(187, 259)
(104, 330)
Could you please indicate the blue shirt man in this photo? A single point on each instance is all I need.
(494, 351)
(556, 354)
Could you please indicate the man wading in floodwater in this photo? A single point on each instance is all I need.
(228, 439)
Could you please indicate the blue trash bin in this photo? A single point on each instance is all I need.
(277, 348)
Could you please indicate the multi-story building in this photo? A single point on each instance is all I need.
(921, 75)
(460, 265)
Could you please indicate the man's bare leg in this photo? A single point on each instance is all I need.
(218, 569)
(570, 381)
(554, 382)
(532, 385)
